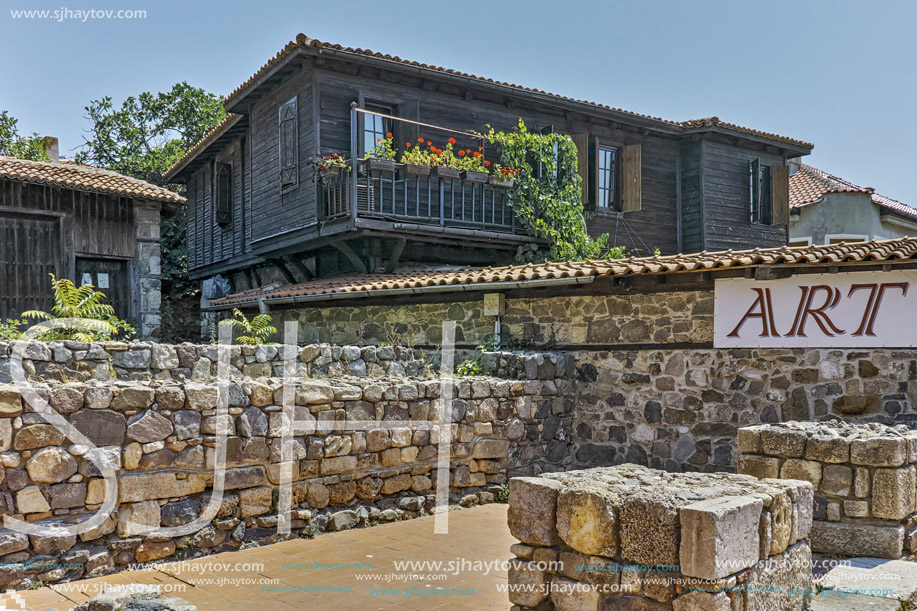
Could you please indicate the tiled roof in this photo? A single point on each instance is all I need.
(303, 41)
(480, 278)
(808, 185)
(228, 121)
(716, 122)
(83, 178)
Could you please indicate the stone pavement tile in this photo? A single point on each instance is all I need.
(898, 576)
(856, 602)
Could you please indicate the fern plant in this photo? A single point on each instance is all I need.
(79, 314)
(251, 332)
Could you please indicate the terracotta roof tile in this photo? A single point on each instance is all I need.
(84, 178)
(809, 185)
(716, 122)
(480, 278)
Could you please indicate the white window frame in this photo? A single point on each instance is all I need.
(845, 236)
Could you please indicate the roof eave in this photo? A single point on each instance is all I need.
(175, 173)
(792, 149)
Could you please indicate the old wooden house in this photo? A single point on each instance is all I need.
(79, 222)
(258, 214)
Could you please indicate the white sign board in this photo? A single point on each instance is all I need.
(843, 310)
(103, 280)
(87, 278)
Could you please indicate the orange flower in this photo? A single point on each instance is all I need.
(451, 140)
(461, 153)
(378, 139)
(487, 164)
(480, 148)
(420, 140)
(388, 135)
(407, 144)
(477, 154)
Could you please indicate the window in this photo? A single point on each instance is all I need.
(374, 126)
(840, 238)
(289, 155)
(607, 168)
(224, 194)
(800, 241)
(760, 192)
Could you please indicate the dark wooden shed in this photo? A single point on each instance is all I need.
(79, 222)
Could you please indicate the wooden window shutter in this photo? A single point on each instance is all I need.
(780, 189)
(289, 148)
(581, 141)
(407, 132)
(631, 181)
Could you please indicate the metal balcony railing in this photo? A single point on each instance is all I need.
(396, 192)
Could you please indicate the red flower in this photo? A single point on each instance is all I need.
(378, 139)
(480, 148)
(420, 140)
(388, 135)
(487, 164)
(477, 154)
(407, 144)
(461, 153)
(451, 140)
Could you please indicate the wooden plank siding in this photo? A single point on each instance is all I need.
(727, 212)
(693, 188)
(43, 229)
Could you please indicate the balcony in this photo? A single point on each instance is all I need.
(399, 195)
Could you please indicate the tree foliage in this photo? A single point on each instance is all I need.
(253, 332)
(546, 195)
(148, 133)
(14, 144)
(79, 314)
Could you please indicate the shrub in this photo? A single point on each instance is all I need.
(79, 314)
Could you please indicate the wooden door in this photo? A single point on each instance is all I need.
(30, 249)
(109, 276)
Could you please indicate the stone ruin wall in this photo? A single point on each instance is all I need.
(682, 409)
(160, 430)
(629, 537)
(864, 477)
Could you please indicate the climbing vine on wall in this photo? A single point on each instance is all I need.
(546, 196)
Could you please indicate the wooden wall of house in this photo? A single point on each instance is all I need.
(44, 228)
(418, 98)
(692, 224)
(726, 205)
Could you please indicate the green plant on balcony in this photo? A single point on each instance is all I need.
(383, 149)
(330, 166)
(546, 195)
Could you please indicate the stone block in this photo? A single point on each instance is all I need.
(806, 470)
(783, 583)
(51, 465)
(828, 449)
(702, 601)
(148, 427)
(762, 467)
(532, 513)
(568, 595)
(649, 529)
(255, 501)
(587, 519)
(135, 487)
(893, 493)
(491, 448)
(748, 440)
(783, 442)
(528, 584)
(879, 451)
(138, 518)
(845, 539)
(103, 427)
(31, 500)
(10, 401)
(719, 536)
(836, 480)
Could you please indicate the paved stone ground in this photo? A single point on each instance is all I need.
(477, 535)
(872, 583)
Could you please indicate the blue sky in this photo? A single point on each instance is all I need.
(837, 73)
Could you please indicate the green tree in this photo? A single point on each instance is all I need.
(148, 133)
(13, 144)
(81, 306)
(256, 331)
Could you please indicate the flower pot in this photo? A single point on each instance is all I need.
(329, 174)
(416, 170)
(506, 183)
(376, 166)
(447, 173)
(475, 177)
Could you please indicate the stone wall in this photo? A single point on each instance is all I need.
(639, 318)
(76, 361)
(161, 436)
(681, 409)
(633, 538)
(864, 478)
(148, 264)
